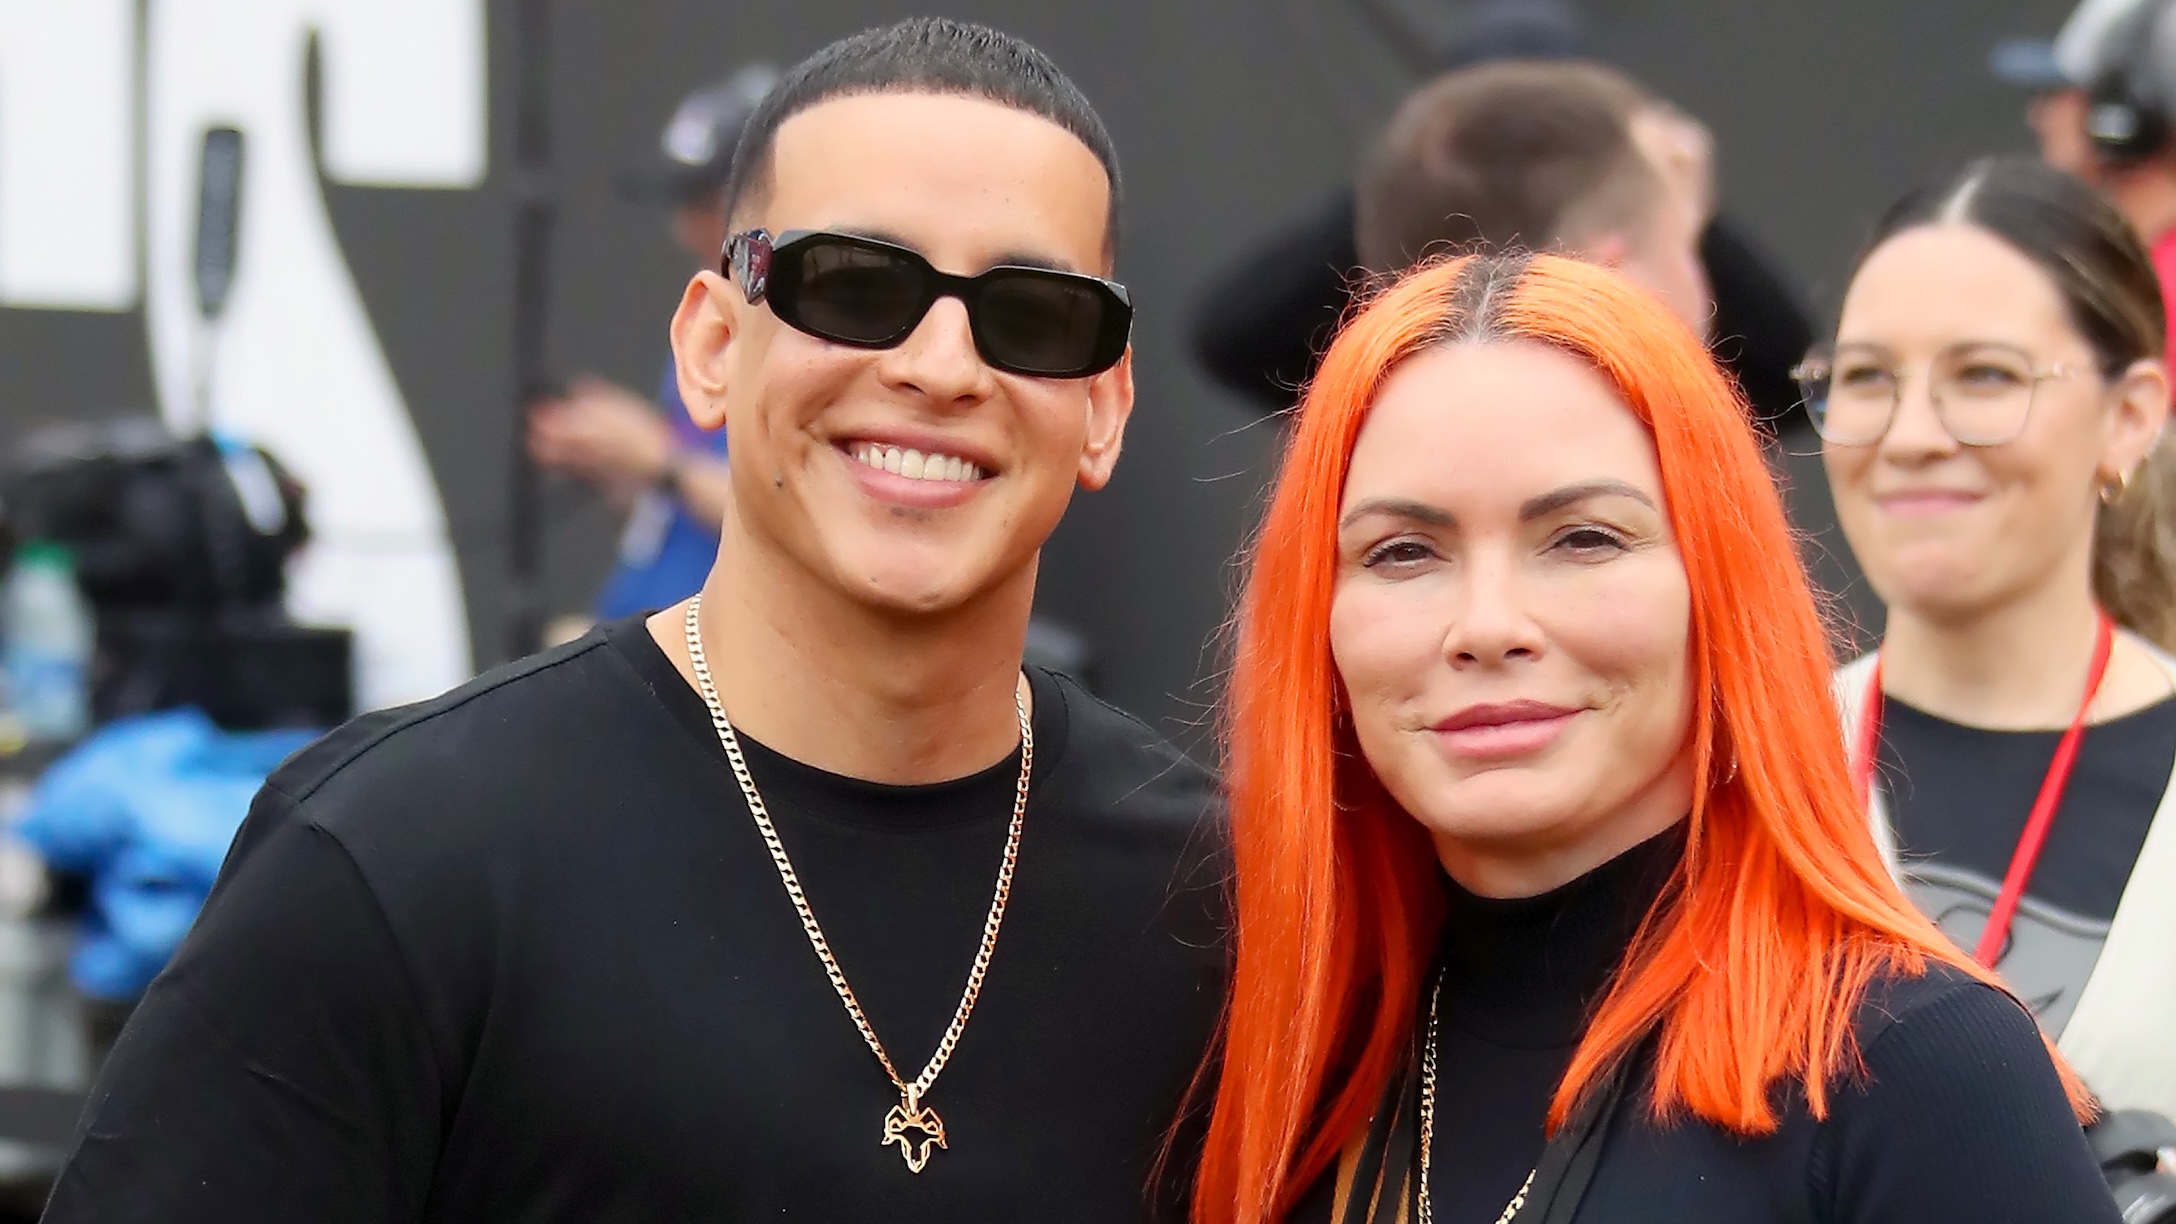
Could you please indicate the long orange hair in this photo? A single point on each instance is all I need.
(1781, 912)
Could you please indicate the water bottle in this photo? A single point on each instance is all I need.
(45, 644)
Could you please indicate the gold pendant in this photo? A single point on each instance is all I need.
(911, 1115)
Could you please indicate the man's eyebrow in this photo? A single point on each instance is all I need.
(1572, 494)
(1025, 259)
(873, 234)
(1010, 259)
(1398, 507)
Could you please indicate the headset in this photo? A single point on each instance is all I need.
(2125, 123)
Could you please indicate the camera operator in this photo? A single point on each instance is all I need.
(667, 473)
(1991, 414)
(2104, 97)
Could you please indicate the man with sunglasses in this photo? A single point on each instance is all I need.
(802, 899)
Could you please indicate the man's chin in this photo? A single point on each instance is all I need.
(910, 571)
(910, 591)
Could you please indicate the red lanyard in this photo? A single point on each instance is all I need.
(2027, 853)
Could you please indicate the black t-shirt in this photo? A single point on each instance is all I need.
(519, 954)
(1959, 1117)
(1958, 801)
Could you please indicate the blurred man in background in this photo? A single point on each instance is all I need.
(2103, 107)
(1263, 321)
(1566, 157)
(647, 456)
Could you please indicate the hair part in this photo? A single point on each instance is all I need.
(2111, 294)
(930, 55)
(1750, 968)
(1520, 153)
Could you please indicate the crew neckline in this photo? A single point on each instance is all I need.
(840, 799)
(2160, 708)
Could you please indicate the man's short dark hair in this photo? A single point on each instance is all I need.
(1526, 154)
(922, 55)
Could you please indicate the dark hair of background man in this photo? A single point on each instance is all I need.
(923, 55)
(1262, 321)
(1530, 154)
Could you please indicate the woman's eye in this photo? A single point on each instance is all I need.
(1861, 377)
(1393, 553)
(1590, 541)
(1982, 376)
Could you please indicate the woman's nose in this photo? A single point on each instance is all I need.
(1489, 621)
(1915, 424)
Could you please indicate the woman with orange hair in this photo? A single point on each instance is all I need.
(1552, 891)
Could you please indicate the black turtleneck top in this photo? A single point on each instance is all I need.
(1519, 976)
(1960, 1116)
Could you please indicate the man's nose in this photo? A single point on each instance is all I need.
(939, 358)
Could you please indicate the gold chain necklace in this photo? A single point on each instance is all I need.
(910, 1114)
(1426, 1212)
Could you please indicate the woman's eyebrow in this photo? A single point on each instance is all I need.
(1534, 507)
(1398, 507)
(1572, 494)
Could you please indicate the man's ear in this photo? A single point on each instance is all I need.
(1110, 403)
(703, 329)
(2141, 412)
(1610, 250)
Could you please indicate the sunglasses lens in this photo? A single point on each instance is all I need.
(1047, 325)
(1026, 320)
(856, 294)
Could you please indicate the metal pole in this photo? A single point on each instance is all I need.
(534, 209)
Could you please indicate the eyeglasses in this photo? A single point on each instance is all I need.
(1982, 393)
(870, 294)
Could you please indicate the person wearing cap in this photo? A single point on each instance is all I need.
(1267, 316)
(648, 455)
(2104, 102)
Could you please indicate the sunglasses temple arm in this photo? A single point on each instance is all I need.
(747, 259)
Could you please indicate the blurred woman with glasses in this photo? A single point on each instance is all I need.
(1551, 891)
(1990, 416)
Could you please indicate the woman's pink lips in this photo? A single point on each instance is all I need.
(1914, 505)
(1512, 734)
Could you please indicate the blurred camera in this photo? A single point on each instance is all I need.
(2137, 1154)
(180, 547)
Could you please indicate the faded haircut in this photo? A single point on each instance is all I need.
(922, 55)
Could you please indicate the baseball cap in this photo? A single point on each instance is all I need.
(2101, 39)
(694, 153)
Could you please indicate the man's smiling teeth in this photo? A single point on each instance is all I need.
(913, 464)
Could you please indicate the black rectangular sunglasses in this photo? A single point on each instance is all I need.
(871, 294)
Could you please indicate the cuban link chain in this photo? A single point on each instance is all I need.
(910, 1114)
(1426, 1213)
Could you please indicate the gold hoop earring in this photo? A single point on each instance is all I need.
(2112, 491)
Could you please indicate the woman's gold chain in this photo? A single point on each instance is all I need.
(1425, 1214)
